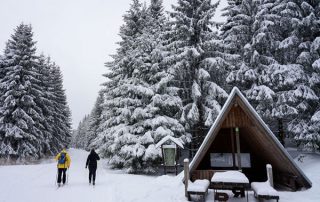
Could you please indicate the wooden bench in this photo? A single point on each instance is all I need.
(263, 190)
(231, 180)
(198, 187)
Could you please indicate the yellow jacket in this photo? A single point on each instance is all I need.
(67, 162)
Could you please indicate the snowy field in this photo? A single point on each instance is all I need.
(36, 183)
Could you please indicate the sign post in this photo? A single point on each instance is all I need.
(169, 149)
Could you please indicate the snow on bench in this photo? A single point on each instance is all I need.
(233, 180)
(198, 187)
(230, 177)
(264, 190)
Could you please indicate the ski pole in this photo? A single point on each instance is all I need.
(55, 182)
(68, 175)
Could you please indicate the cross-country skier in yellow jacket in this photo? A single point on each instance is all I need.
(64, 161)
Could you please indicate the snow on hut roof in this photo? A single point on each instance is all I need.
(167, 138)
(235, 91)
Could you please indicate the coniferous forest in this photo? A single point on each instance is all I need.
(35, 120)
(172, 73)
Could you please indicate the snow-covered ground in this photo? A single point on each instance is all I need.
(36, 183)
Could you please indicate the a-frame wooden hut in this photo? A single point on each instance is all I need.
(240, 135)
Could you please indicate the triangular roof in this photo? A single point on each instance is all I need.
(169, 138)
(276, 147)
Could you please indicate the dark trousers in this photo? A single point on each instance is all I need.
(62, 171)
(92, 174)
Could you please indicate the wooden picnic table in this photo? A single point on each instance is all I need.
(230, 180)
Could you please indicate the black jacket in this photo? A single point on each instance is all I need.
(92, 160)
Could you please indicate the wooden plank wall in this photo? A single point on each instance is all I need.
(203, 174)
(236, 118)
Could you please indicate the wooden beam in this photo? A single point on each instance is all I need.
(186, 176)
(238, 148)
(176, 159)
(164, 164)
(270, 174)
(233, 149)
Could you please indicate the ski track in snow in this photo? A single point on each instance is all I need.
(36, 183)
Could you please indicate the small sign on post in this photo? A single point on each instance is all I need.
(169, 149)
(169, 152)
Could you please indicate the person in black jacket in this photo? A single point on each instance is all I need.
(92, 163)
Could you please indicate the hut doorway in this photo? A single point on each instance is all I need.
(223, 155)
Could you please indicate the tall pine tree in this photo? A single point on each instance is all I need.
(95, 121)
(140, 107)
(61, 135)
(1, 67)
(276, 72)
(34, 116)
(45, 103)
(288, 76)
(306, 129)
(164, 106)
(236, 35)
(20, 118)
(194, 65)
(80, 135)
(127, 94)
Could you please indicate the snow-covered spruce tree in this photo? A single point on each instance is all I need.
(139, 109)
(45, 103)
(164, 107)
(2, 73)
(247, 42)
(80, 135)
(258, 54)
(95, 121)
(61, 115)
(273, 80)
(126, 97)
(236, 35)
(1, 103)
(284, 75)
(249, 39)
(311, 139)
(194, 65)
(20, 118)
(289, 78)
(261, 54)
(53, 104)
(1, 67)
(103, 140)
(308, 31)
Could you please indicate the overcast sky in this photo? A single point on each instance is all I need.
(79, 35)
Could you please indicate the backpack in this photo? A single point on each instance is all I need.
(62, 158)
